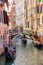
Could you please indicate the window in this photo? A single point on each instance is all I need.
(28, 24)
(5, 17)
(1, 40)
(29, 12)
(0, 16)
(32, 24)
(38, 22)
(24, 4)
(39, 9)
(42, 9)
(42, 19)
(33, 12)
(31, 1)
(2, 0)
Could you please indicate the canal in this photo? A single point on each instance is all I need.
(28, 55)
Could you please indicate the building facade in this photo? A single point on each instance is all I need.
(3, 24)
(20, 14)
(12, 16)
(34, 15)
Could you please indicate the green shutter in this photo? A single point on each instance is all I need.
(40, 9)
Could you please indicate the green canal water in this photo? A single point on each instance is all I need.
(28, 55)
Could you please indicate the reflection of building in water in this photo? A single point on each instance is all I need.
(36, 57)
(40, 31)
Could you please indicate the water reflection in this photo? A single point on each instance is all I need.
(38, 56)
(2, 60)
(28, 55)
(9, 62)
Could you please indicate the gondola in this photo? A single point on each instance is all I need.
(11, 54)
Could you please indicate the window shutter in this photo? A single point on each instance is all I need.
(28, 24)
(37, 9)
(5, 17)
(40, 9)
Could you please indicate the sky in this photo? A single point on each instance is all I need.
(10, 1)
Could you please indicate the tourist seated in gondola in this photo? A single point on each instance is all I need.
(9, 54)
